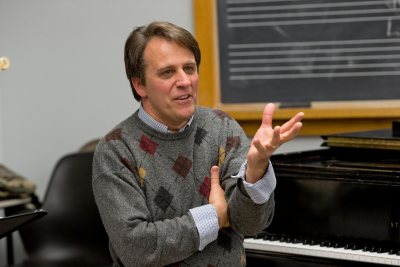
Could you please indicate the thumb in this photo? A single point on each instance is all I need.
(214, 176)
(217, 198)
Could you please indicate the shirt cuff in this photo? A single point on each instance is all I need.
(261, 190)
(206, 220)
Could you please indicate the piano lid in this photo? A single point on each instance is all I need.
(359, 165)
(375, 139)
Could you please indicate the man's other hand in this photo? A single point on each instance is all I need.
(217, 198)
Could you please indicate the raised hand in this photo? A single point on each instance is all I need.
(267, 140)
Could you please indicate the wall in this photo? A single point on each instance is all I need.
(66, 84)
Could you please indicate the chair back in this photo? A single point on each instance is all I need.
(72, 233)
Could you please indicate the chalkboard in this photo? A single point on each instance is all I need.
(300, 51)
(336, 60)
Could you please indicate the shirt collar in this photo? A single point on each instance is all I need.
(150, 121)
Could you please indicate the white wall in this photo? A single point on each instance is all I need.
(67, 83)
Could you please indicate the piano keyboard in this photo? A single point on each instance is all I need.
(316, 250)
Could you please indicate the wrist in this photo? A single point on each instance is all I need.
(253, 174)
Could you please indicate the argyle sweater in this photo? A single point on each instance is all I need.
(145, 182)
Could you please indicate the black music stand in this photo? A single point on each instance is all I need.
(9, 224)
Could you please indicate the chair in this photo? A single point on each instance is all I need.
(72, 233)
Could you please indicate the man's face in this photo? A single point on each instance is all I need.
(170, 93)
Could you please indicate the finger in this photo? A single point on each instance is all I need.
(292, 133)
(276, 136)
(214, 176)
(260, 148)
(292, 122)
(273, 144)
(296, 128)
(268, 114)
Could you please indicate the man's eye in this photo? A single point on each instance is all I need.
(167, 73)
(190, 69)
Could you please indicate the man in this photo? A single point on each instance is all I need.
(178, 184)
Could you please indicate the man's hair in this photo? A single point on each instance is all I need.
(138, 39)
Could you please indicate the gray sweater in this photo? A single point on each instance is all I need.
(145, 182)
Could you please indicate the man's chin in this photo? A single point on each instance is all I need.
(187, 112)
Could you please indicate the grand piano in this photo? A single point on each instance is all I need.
(335, 206)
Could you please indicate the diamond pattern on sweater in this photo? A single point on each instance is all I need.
(163, 198)
(147, 145)
(200, 135)
(114, 135)
(224, 240)
(142, 174)
(182, 166)
(128, 165)
(205, 187)
(232, 142)
(221, 156)
(222, 114)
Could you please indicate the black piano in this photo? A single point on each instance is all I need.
(335, 206)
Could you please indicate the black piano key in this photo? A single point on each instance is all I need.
(310, 242)
(382, 250)
(383, 247)
(326, 243)
(297, 240)
(370, 248)
(314, 242)
(378, 247)
(394, 249)
(260, 235)
(285, 239)
(271, 237)
(352, 246)
(338, 244)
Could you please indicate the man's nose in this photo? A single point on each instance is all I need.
(182, 79)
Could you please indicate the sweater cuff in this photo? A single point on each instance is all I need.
(206, 220)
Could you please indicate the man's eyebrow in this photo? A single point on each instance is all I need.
(190, 64)
(168, 67)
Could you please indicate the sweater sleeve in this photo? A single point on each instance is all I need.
(136, 239)
(260, 191)
(246, 216)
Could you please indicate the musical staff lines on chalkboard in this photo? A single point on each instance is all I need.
(309, 50)
(289, 12)
(316, 59)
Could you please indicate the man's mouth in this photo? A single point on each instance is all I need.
(183, 97)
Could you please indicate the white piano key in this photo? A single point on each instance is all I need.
(324, 252)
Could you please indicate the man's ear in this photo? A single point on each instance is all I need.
(138, 86)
